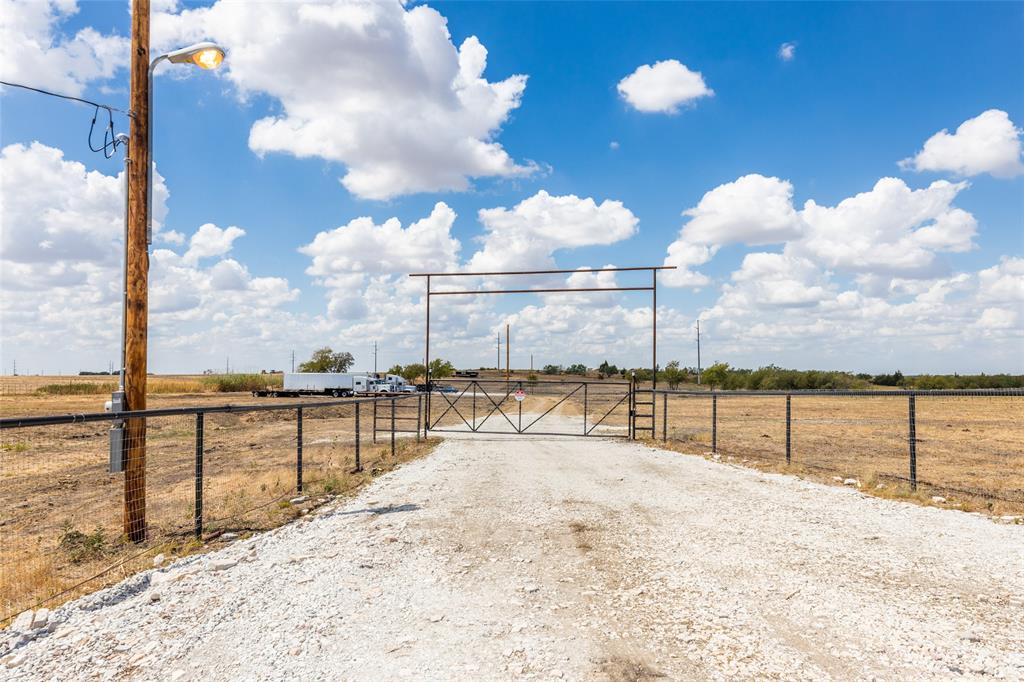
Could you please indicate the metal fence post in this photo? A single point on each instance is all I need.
(664, 417)
(198, 514)
(359, 464)
(585, 409)
(714, 422)
(419, 399)
(392, 427)
(789, 414)
(913, 442)
(519, 429)
(298, 449)
(374, 420)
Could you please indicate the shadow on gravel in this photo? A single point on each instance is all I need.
(390, 509)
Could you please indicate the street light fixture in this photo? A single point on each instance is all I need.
(206, 56)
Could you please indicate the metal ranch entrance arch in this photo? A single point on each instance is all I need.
(631, 391)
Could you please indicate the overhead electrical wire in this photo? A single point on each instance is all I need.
(110, 141)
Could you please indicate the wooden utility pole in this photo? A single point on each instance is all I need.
(137, 312)
(508, 368)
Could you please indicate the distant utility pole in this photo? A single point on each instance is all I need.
(698, 352)
(227, 365)
(508, 366)
(531, 362)
(293, 362)
(374, 357)
(499, 355)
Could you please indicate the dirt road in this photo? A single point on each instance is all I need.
(546, 558)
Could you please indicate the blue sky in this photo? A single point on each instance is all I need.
(866, 87)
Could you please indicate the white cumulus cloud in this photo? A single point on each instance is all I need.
(787, 51)
(527, 235)
(342, 258)
(62, 249)
(889, 231)
(34, 52)
(210, 241)
(988, 143)
(372, 85)
(663, 87)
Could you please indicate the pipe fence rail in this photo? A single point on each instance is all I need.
(969, 442)
(208, 470)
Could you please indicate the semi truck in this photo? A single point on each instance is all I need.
(334, 384)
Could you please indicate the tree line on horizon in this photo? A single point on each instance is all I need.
(720, 375)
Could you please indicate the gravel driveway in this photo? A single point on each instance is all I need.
(545, 558)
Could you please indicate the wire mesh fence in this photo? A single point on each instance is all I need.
(967, 444)
(75, 518)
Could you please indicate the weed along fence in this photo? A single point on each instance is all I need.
(66, 510)
(968, 444)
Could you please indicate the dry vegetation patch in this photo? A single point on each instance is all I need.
(61, 511)
(970, 450)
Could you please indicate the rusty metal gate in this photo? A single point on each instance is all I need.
(544, 408)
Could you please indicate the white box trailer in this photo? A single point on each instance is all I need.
(333, 384)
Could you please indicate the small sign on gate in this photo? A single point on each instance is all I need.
(519, 395)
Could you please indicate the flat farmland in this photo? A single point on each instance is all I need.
(969, 449)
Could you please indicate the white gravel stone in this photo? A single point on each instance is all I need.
(16, 659)
(40, 619)
(159, 560)
(222, 564)
(23, 623)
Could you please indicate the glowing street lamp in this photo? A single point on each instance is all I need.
(203, 55)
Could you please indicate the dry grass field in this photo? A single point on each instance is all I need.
(61, 511)
(970, 450)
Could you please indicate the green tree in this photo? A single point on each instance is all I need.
(577, 369)
(439, 369)
(604, 370)
(673, 375)
(326, 360)
(552, 369)
(716, 375)
(410, 372)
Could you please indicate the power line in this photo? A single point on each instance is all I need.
(69, 97)
(110, 141)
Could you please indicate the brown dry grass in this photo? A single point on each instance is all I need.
(60, 511)
(970, 450)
